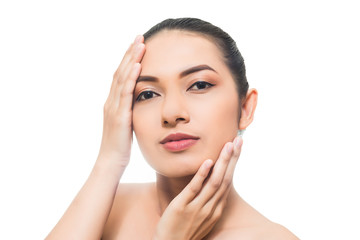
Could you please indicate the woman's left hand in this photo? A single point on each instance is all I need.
(194, 212)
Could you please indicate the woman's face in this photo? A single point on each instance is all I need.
(184, 88)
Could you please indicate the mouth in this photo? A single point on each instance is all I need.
(178, 142)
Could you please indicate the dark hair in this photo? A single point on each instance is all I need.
(226, 44)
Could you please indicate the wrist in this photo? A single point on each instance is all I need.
(110, 165)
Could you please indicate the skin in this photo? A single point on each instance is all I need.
(193, 197)
(178, 106)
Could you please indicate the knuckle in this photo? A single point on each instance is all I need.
(207, 209)
(227, 160)
(119, 79)
(132, 57)
(215, 183)
(194, 189)
(107, 107)
(115, 74)
(178, 210)
(218, 212)
(204, 214)
(125, 93)
(203, 174)
(227, 180)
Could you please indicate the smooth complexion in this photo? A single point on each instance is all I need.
(203, 103)
(183, 91)
(185, 87)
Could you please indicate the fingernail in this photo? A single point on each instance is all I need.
(137, 39)
(139, 47)
(238, 141)
(229, 148)
(208, 163)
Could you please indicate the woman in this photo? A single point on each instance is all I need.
(182, 89)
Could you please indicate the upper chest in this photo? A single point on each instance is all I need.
(133, 216)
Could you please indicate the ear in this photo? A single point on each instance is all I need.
(248, 108)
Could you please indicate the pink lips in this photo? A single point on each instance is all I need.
(178, 142)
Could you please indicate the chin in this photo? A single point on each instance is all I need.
(177, 167)
(177, 175)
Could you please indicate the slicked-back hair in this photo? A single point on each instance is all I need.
(232, 56)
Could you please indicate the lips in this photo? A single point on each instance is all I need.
(178, 142)
(177, 137)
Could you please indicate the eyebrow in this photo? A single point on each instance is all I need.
(184, 73)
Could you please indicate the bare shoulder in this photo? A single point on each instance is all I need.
(130, 190)
(129, 194)
(277, 232)
(129, 200)
(270, 231)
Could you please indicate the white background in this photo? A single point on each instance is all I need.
(299, 164)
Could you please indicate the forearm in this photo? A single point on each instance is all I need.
(86, 216)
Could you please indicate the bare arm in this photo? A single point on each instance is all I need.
(86, 216)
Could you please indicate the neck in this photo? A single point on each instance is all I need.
(168, 188)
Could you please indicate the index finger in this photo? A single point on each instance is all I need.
(124, 67)
(215, 181)
(196, 183)
(128, 55)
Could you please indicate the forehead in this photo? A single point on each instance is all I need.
(172, 51)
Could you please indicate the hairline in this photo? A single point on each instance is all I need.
(210, 38)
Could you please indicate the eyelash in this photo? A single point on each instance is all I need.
(208, 85)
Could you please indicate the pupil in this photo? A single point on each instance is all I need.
(148, 95)
(201, 85)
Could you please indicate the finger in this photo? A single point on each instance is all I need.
(126, 82)
(116, 76)
(131, 57)
(215, 180)
(196, 183)
(121, 66)
(128, 54)
(238, 142)
(228, 176)
(135, 57)
(217, 203)
(127, 92)
(208, 224)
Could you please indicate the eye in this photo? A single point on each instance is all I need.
(146, 95)
(200, 85)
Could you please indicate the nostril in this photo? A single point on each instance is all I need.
(180, 119)
(174, 121)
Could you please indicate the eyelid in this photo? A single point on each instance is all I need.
(209, 85)
(142, 92)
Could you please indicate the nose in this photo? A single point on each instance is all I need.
(174, 111)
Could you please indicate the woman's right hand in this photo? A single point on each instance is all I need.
(117, 129)
(193, 213)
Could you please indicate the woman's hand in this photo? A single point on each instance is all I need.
(117, 129)
(87, 214)
(195, 211)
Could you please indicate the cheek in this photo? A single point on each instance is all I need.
(144, 118)
(146, 126)
(218, 119)
(214, 118)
